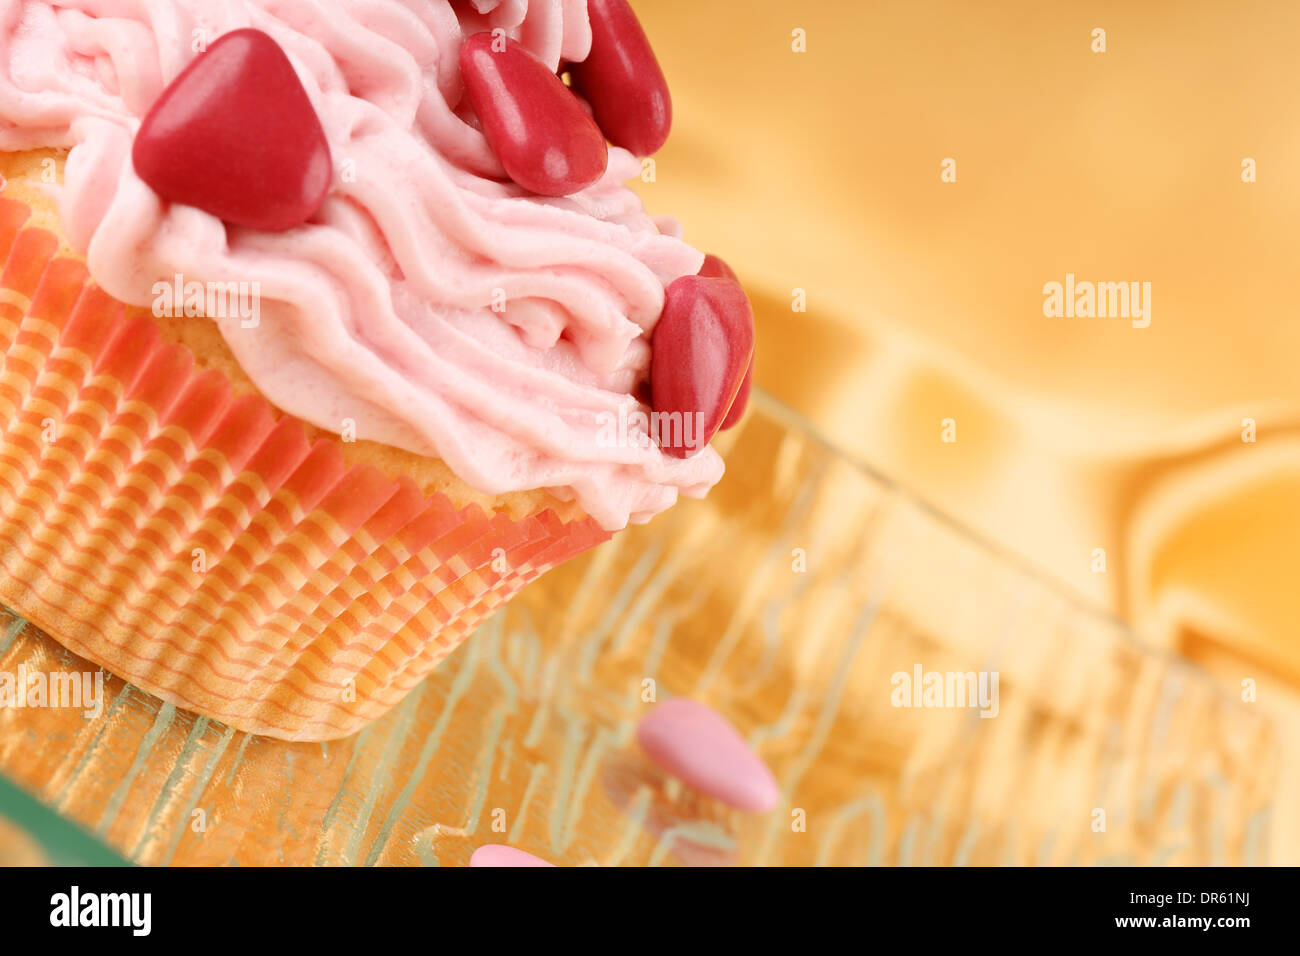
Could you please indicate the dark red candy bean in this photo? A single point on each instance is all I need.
(622, 81)
(741, 401)
(538, 129)
(236, 135)
(718, 268)
(699, 352)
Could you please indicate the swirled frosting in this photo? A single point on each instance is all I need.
(430, 302)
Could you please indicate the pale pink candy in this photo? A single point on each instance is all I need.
(697, 745)
(498, 854)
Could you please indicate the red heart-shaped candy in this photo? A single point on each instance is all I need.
(622, 81)
(698, 355)
(545, 140)
(236, 135)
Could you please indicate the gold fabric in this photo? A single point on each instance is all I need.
(822, 171)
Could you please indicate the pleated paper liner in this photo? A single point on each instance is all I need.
(195, 543)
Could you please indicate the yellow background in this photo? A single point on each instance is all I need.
(821, 171)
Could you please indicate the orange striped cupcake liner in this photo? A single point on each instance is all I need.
(196, 543)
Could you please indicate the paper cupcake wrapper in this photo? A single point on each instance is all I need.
(195, 543)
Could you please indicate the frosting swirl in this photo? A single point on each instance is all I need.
(433, 304)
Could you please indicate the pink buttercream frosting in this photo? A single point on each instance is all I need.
(429, 304)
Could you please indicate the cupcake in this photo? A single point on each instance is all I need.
(322, 337)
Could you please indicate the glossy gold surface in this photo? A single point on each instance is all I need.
(788, 599)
